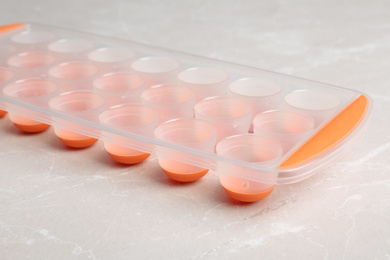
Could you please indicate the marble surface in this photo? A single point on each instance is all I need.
(57, 203)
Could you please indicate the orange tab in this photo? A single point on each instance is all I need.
(331, 134)
(10, 27)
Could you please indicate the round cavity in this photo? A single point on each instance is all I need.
(242, 183)
(5, 74)
(31, 59)
(77, 101)
(30, 88)
(250, 148)
(118, 82)
(283, 122)
(110, 54)
(155, 65)
(251, 87)
(222, 108)
(168, 95)
(129, 116)
(31, 37)
(315, 100)
(202, 76)
(185, 131)
(70, 45)
(72, 70)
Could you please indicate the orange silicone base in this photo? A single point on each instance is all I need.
(2, 113)
(129, 159)
(35, 128)
(252, 197)
(78, 143)
(10, 27)
(187, 177)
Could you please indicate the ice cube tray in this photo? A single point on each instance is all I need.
(254, 128)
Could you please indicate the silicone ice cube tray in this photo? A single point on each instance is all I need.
(254, 128)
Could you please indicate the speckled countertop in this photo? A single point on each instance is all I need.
(57, 203)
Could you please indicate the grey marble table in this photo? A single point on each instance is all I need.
(57, 203)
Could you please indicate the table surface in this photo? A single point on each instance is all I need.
(57, 203)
